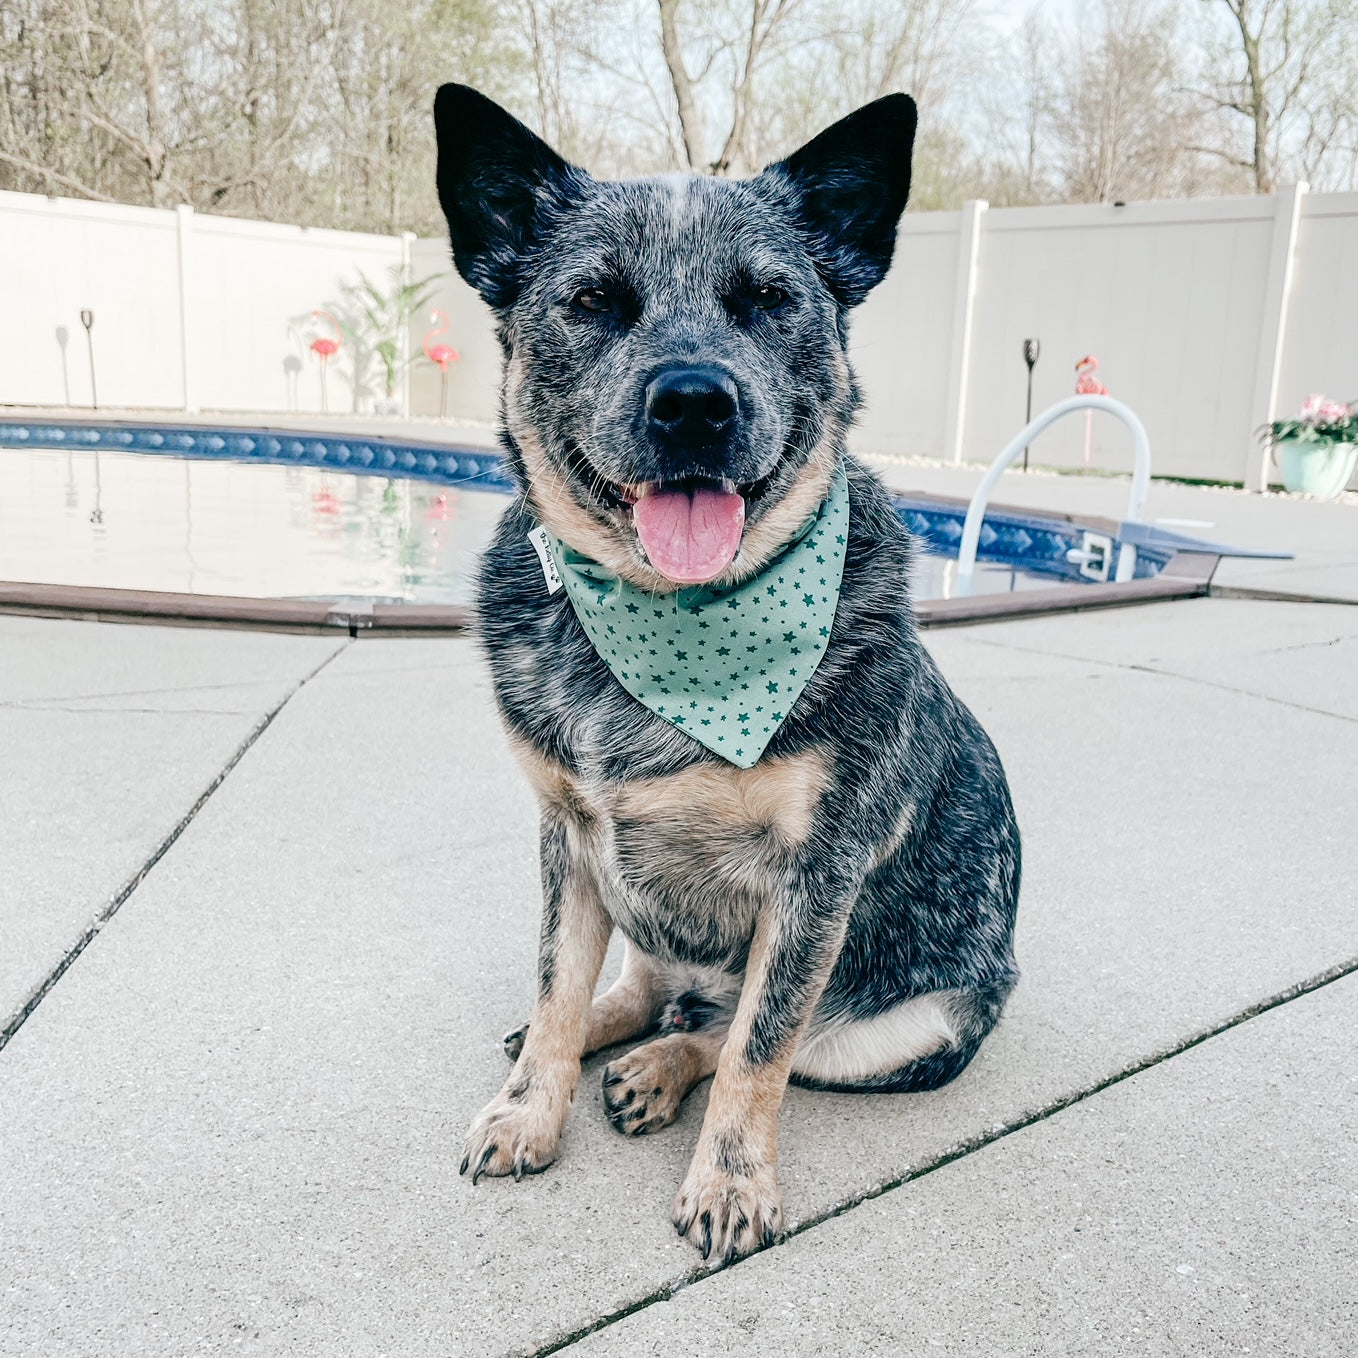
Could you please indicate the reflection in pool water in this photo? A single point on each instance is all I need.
(129, 521)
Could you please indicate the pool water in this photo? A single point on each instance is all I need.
(131, 521)
(128, 521)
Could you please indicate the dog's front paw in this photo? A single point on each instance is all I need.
(727, 1214)
(512, 1136)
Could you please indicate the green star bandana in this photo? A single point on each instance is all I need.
(725, 665)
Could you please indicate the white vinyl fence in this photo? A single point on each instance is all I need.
(1208, 317)
(191, 312)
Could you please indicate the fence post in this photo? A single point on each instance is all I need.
(964, 309)
(1273, 328)
(184, 245)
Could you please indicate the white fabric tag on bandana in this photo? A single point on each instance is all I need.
(538, 537)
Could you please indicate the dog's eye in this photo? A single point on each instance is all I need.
(592, 299)
(769, 297)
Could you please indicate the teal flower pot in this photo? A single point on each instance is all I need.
(1320, 468)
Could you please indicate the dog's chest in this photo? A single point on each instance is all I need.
(686, 862)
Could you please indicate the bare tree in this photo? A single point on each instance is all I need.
(1120, 124)
(313, 111)
(838, 54)
(1288, 69)
(317, 111)
(683, 84)
(735, 43)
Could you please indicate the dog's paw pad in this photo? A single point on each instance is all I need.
(638, 1098)
(727, 1215)
(514, 1041)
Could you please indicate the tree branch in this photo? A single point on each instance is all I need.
(46, 172)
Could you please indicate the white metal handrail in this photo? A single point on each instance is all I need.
(1141, 480)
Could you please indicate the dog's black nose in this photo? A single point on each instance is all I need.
(691, 406)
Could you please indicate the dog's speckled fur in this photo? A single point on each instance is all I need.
(849, 902)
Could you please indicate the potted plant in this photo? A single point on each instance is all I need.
(378, 323)
(1317, 451)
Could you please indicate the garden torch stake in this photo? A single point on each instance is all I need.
(87, 320)
(1031, 350)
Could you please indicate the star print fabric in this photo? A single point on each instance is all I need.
(723, 665)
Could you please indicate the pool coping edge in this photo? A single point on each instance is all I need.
(1188, 575)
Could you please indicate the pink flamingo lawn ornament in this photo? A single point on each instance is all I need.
(1086, 384)
(442, 354)
(325, 347)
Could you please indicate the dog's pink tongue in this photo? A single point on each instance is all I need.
(690, 538)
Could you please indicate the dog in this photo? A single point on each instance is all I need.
(830, 898)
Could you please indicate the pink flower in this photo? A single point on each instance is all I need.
(1318, 409)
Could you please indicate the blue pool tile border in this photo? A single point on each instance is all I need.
(372, 456)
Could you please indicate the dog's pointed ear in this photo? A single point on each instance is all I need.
(849, 187)
(496, 180)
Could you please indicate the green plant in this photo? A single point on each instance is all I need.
(1320, 421)
(378, 322)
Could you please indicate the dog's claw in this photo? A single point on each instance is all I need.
(486, 1157)
(462, 1168)
(513, 1041)
(707, 1234)
(611, 1077)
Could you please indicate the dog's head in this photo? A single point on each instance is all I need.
(677, 384)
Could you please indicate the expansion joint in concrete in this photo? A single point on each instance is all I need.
(1242, 692)
(1159, 672)
(116, 901)
(961, 1150)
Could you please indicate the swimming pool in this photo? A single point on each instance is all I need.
(272, 514)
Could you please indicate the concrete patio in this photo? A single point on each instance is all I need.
(270, 901)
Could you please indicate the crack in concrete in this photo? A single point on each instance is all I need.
(116, 901)
(970, 1146)
(1307, 645)
(150, 692)
(1243, 692)
(1128, 667)
(133, 711)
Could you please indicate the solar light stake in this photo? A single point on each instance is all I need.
(87, 320)
(1032, 349)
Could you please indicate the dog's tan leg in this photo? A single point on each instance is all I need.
(518, 1130)
(729, 1203)
(643, 1090)
(628, 1008)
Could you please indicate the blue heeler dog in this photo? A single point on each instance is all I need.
(836, 908)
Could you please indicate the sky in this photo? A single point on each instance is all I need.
(1011, 13)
